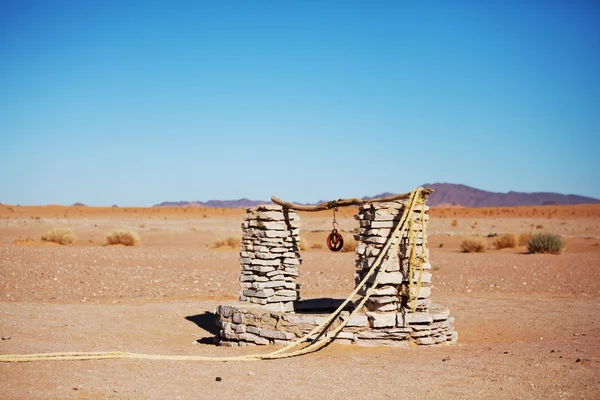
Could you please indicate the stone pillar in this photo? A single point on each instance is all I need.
(269, 257)
(377, 223)
(390, 309)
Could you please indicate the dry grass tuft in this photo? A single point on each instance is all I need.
(473, 244)
(349, 245)
(316, 246)
(229, 241)
(122, 236)
(454, 223)
(303, 245)
(23, 240)
(506, 241)
(539, 227)
(546, 243)
(524, 239)
(60, 236)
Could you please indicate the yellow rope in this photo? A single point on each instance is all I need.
(417, 261)
(416, 196)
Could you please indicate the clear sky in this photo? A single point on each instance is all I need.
(137, 102)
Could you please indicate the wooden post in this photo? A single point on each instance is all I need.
(328, 205)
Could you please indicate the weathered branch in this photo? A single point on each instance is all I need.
(328, 205)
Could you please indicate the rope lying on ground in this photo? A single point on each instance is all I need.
(417, 196)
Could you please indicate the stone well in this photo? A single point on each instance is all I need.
(270, 311)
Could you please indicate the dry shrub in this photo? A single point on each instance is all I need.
(349, 245)
(124, 237)
(229, 241)
(59, 235)
(23, 240)
(506, 241)
(454, 223)
(316, 246)
(546, 243)
(473, 244)
(524, 239)
(539, 227)
(303, 245)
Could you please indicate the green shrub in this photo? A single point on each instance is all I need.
(59, 235)
(506, 241)
(546, 243)
(473, 244)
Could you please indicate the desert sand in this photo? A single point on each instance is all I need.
(529, 324)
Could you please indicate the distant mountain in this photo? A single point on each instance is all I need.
(466, 196)
(448, 193)
(241, 203)
(444, 194)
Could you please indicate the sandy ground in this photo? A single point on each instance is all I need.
(529, 324)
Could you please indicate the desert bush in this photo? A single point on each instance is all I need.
(59, 235)
(303, 245)
(349, 245)
(229, 241)
(546, 243)
(473, 244)
(539, 227)
(122, 236)
(23, 240)
(524, 239)
(506, 241)
(454, 223)
(316, 246)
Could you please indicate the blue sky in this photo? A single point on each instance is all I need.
(137, 102)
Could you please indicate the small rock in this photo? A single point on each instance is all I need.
(218, 379)
(446, 359)
(578, 360)
(5, 337)
(250, 373)
(506, 352)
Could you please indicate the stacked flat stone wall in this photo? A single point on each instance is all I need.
(250, 326)
(269, 257)
(392, 307)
